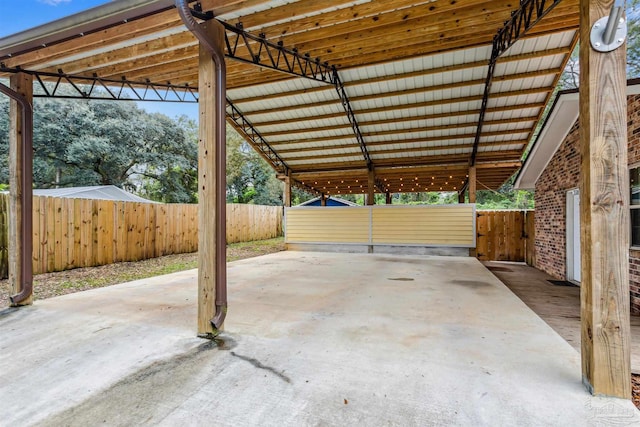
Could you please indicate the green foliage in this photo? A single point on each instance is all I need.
(428, 198)
(298, 196)
(175, 182)
(571, 74)
(80, 143)
(633, 39)
(505, 198)
(250, 179)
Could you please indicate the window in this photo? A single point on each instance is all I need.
(634, 187)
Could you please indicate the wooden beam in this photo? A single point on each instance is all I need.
(408, 106)
(359, 175)
(436, 161)
(604, 213)
(398, 76)
(404, 118)
(371, 188)
(498, 165)
(406, 140)
(139, 27)
(23, 84)
(321, 153)
(472, 184)
(421, 20)
(286, 198)
(207, 249)
(432, 127)
(458, 30)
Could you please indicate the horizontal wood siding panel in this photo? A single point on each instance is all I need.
(401, 225)
(327, 225)
(424, 225)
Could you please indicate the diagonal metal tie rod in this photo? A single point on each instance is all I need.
(255, 138)
(521, 21)
(344, 99)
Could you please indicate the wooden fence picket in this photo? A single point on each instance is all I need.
(72, 233)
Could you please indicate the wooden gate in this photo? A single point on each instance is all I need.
(505, 236)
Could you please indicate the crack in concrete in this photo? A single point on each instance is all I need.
(260, 365)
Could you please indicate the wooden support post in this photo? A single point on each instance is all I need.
(371, 188)
(461, 197)
(389, 198)
(604, 213)
(286, 199)
(323, 200)
(207, 201)
(23, 84)
(472, 184)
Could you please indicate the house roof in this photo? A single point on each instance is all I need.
(335, 199)
(561, 118)
(98, 192)
(414, 72)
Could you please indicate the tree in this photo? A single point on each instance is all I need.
(83, 142)
(166, 181)
(250, 179)
(633, 38)
(571, 75)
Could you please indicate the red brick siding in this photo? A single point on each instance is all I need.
(563, 174)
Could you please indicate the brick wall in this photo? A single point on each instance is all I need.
(563, 174)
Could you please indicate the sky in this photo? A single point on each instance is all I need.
(19, 15)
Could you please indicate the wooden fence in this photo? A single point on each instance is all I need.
(505, 236)
(71, 233)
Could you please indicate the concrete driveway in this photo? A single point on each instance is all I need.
(311, 339)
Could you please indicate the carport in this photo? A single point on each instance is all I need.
(348, 96)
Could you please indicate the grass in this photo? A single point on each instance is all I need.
(65, 282)
(235, 252)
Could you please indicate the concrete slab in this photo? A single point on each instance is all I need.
(312, 339)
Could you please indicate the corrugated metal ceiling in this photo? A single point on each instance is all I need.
(414, 72)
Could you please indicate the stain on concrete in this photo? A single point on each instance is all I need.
(176, 377)
(260, 365)
(401, 279)
(225, 342)
(473, 284)
(403, 260)
(496, 268)
(7, 311)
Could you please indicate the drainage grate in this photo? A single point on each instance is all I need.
(562, 283)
